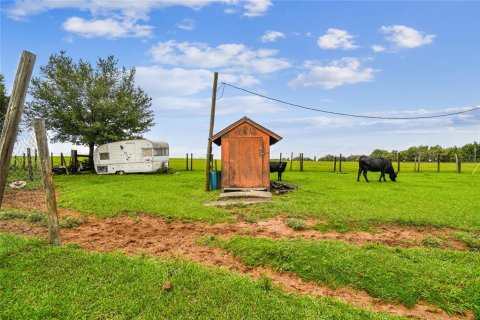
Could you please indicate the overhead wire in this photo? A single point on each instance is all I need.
(223, 84)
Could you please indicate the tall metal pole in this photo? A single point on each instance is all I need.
(13, 116)
(210, 132)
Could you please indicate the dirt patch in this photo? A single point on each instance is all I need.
(158, 237)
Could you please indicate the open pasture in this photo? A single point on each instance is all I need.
(348, 249)
(418, 199)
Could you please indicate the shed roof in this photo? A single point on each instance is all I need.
(217, 138)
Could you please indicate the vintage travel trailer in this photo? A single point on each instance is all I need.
(130, 156)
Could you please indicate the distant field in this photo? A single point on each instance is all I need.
(425, 198)
(347, 166)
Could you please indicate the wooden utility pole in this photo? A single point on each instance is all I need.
(13, 116)
(41, 136)
(210, 132)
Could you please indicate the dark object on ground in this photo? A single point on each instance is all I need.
(281, 187)
(278, 167)
(384, 165)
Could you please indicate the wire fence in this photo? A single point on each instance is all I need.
(24, 170)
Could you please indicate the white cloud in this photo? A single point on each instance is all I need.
(336, 38)
(186, 24)
(129, 9)
(272, 36)
(336, 73)
(378, 48)
(108, 28)
(229, 57)
(404, 37)
(256, 8)
(158, 81)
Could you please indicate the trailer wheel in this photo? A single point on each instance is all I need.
(120, 172)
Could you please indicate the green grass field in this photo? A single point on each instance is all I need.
(39, 281)
(43, 282)
(420, 199)
(449, 280)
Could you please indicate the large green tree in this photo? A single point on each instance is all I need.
(89, 105)
(3, 101)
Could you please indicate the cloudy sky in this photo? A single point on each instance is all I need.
(379, 58)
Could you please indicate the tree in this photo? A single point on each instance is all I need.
(3, 101)
(89, 105)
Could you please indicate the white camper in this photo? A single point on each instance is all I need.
(131, 156)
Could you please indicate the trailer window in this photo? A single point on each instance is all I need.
(160, 152)
(104, 156)
(146, 152)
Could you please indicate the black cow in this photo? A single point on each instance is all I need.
(278, 167)
(384, 165)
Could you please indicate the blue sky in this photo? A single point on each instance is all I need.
(373, 58)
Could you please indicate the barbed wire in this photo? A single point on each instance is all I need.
(223, 84)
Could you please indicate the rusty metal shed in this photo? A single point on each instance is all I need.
(245, 154)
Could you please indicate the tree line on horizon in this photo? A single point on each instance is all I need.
(469, 152)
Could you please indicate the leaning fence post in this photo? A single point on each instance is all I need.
(41, 136)
(13, 116)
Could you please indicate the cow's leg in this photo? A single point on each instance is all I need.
(365, 175)
(359, 173)
(381, 175)
(385, 180)
(279, 176)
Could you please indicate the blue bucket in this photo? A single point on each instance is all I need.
(215, 180)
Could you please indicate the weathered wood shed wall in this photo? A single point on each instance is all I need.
(245, 154)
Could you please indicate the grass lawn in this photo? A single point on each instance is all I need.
(449, 280)
(39, 282)
(425, 198)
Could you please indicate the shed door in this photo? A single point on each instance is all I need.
(246, 162)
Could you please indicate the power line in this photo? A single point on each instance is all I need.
(346, 114)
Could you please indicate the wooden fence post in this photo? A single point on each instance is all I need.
(41, 136)
(191, 161)
(457, 161)
(414, 164)
(398, 162)
(30, 167)
(340, 163)
(335, 164)
(280, 157)
(291, 161)
(301, 162)
(438, 163)
(419, 160)
(187, 160)
(51, 159)
(13, 116)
